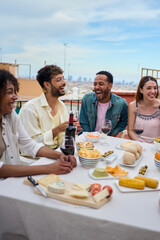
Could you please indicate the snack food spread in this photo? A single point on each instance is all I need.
(132, 153)
(89, 153)
(116, 171)
(100, 172)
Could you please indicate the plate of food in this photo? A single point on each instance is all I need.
(107, 173)
(131, 165)
(92, 136)
(109, 156)
(124, 145)
(137, 184)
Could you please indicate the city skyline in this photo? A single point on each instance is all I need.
(82, 37)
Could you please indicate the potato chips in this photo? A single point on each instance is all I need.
(85, 144)
(116, 171)
(89, 153)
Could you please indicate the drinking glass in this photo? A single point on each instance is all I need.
(138, 127)
(67, 146)
(76, 120)
(105, 128)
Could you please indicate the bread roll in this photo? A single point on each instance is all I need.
(132, 149)
(137, 155)
(129, 158)
(138, 147)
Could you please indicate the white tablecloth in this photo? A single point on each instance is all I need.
(25, 215)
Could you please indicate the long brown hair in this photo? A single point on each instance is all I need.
(139, 95)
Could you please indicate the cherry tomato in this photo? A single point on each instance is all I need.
(95, 191)
(96, 186)
(109, 189)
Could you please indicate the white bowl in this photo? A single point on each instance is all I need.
(88, 148)
(157, 145)
(157, 163)
(89, 162)
(92, 139)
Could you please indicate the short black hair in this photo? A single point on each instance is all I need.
(46, 73)
(6, 77)
(108, 75)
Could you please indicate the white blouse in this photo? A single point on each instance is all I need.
(16, 138)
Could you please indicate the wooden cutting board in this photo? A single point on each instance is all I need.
(89, 202)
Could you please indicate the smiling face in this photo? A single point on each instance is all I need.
(149, 90)
(57, 86)
(7, 100)
(102, 88)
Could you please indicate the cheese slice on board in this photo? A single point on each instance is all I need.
(101, 195)
(48, 179)
(81, 186)
(57, 187)
(79, 194)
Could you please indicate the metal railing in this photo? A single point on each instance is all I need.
(71, 104)
(150, 72)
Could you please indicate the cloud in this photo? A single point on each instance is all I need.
(35, 31)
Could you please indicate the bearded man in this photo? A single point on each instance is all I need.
(45, 118)
(102, 104)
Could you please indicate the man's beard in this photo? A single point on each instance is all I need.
(55, 92)
(104, 95)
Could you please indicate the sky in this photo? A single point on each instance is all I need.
(81, 36)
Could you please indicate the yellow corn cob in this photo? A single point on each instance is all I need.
(131, 183)
(149, 182)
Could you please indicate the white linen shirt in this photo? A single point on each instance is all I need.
(38, 121)
(16, 138)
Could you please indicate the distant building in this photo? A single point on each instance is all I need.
(12, 68)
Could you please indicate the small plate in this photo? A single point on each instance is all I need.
(101, 178)
(118, 146)
(133, 190)
(110, 158)
(132, 165)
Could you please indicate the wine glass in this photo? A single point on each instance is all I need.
(76, 119)
(76, 116)
(138, 127)
(106, 127)
(67, 146)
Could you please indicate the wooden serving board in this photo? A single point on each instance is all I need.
(89, 202)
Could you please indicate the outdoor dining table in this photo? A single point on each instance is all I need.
(135, 215)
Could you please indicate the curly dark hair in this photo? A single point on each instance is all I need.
(107, 74)
(6, 77)
(46, 73)
(139, 95)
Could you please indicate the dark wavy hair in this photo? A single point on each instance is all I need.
(108, 75)
(139, 95)
(46, 73)
(6, 77)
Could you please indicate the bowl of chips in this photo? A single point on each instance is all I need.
(157, 160)
(92, 136)
(86, 144)
(157, 143)
(89, 158)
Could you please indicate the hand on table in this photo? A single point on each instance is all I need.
(59, 167)
(70, 158)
